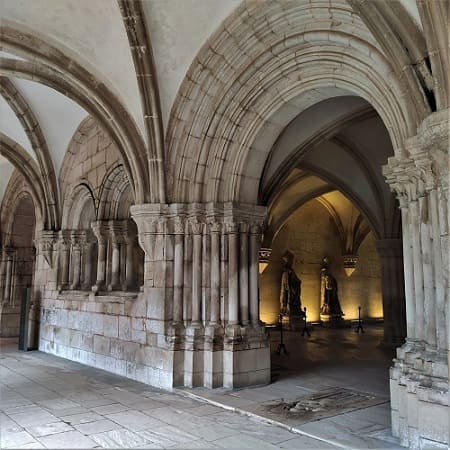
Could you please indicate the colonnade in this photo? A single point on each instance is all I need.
(16, 272)
(7, 270)
(101, 259)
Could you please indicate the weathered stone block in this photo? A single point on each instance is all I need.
(102, 345)
(111, 326)
(124, 328)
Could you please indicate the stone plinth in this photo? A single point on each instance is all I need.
(334, 321)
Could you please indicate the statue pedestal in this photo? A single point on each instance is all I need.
(334, 321)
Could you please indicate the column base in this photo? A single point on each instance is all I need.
(98, 287)
(213, 356)
(246, 358)
(334, 321)
(193, 355)
(420, 403)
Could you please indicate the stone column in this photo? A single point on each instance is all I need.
(130, 245)
(76, 239)
(7, 297)
(408, 270)
(178, 276)
(115, 231)
(87, 261)
(439, 224)
(391, 257)
(255, 241)
(100, 230)
(2, 274)
(428, 275)
(215, 229)
(233, 273)
(196, 228)
(417, 270)
(64, 260)
(243, 274)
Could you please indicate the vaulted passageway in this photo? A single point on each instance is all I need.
(166, 154)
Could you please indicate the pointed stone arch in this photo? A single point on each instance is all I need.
(114, 195)
(270, 56)
(31, 126)
(52, 67)
(23, 162)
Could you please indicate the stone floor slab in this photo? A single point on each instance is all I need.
(58, 393)
(121, 439)
(70, 439)
(15, 439)
(134, 420)
(99, 426)
(49, 428)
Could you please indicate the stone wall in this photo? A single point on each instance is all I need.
(310, 235)
(91, 154)
(107, 332)
(195, 321)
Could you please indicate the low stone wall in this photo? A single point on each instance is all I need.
(107, 332)
(114, 333)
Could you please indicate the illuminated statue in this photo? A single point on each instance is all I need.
(329, 292)
(290, 302)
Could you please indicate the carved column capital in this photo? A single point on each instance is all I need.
(77, 239)
(45, 242)
(232, 227)
(244, 227)
(179, 225)
(117, 231)
(256, 228)
(215, 227)
(195, 226)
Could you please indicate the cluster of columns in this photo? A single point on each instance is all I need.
(16, 272)
(7, 270)
(420, 375)
(106, 250)
(201, 275)
(115, 256)
(75, 259)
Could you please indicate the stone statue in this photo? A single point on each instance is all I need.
(290, 302)
(329, 292)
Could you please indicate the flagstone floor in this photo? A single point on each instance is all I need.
(49, 402)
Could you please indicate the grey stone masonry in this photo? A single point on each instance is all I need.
(420, 375)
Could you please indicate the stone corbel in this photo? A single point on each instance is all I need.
(151, 221)
(403, 178)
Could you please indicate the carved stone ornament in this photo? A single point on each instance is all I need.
(46, 241)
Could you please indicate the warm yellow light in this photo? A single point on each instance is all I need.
(262, 266)
(350, 262)
(264, 255)
(349, 270)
